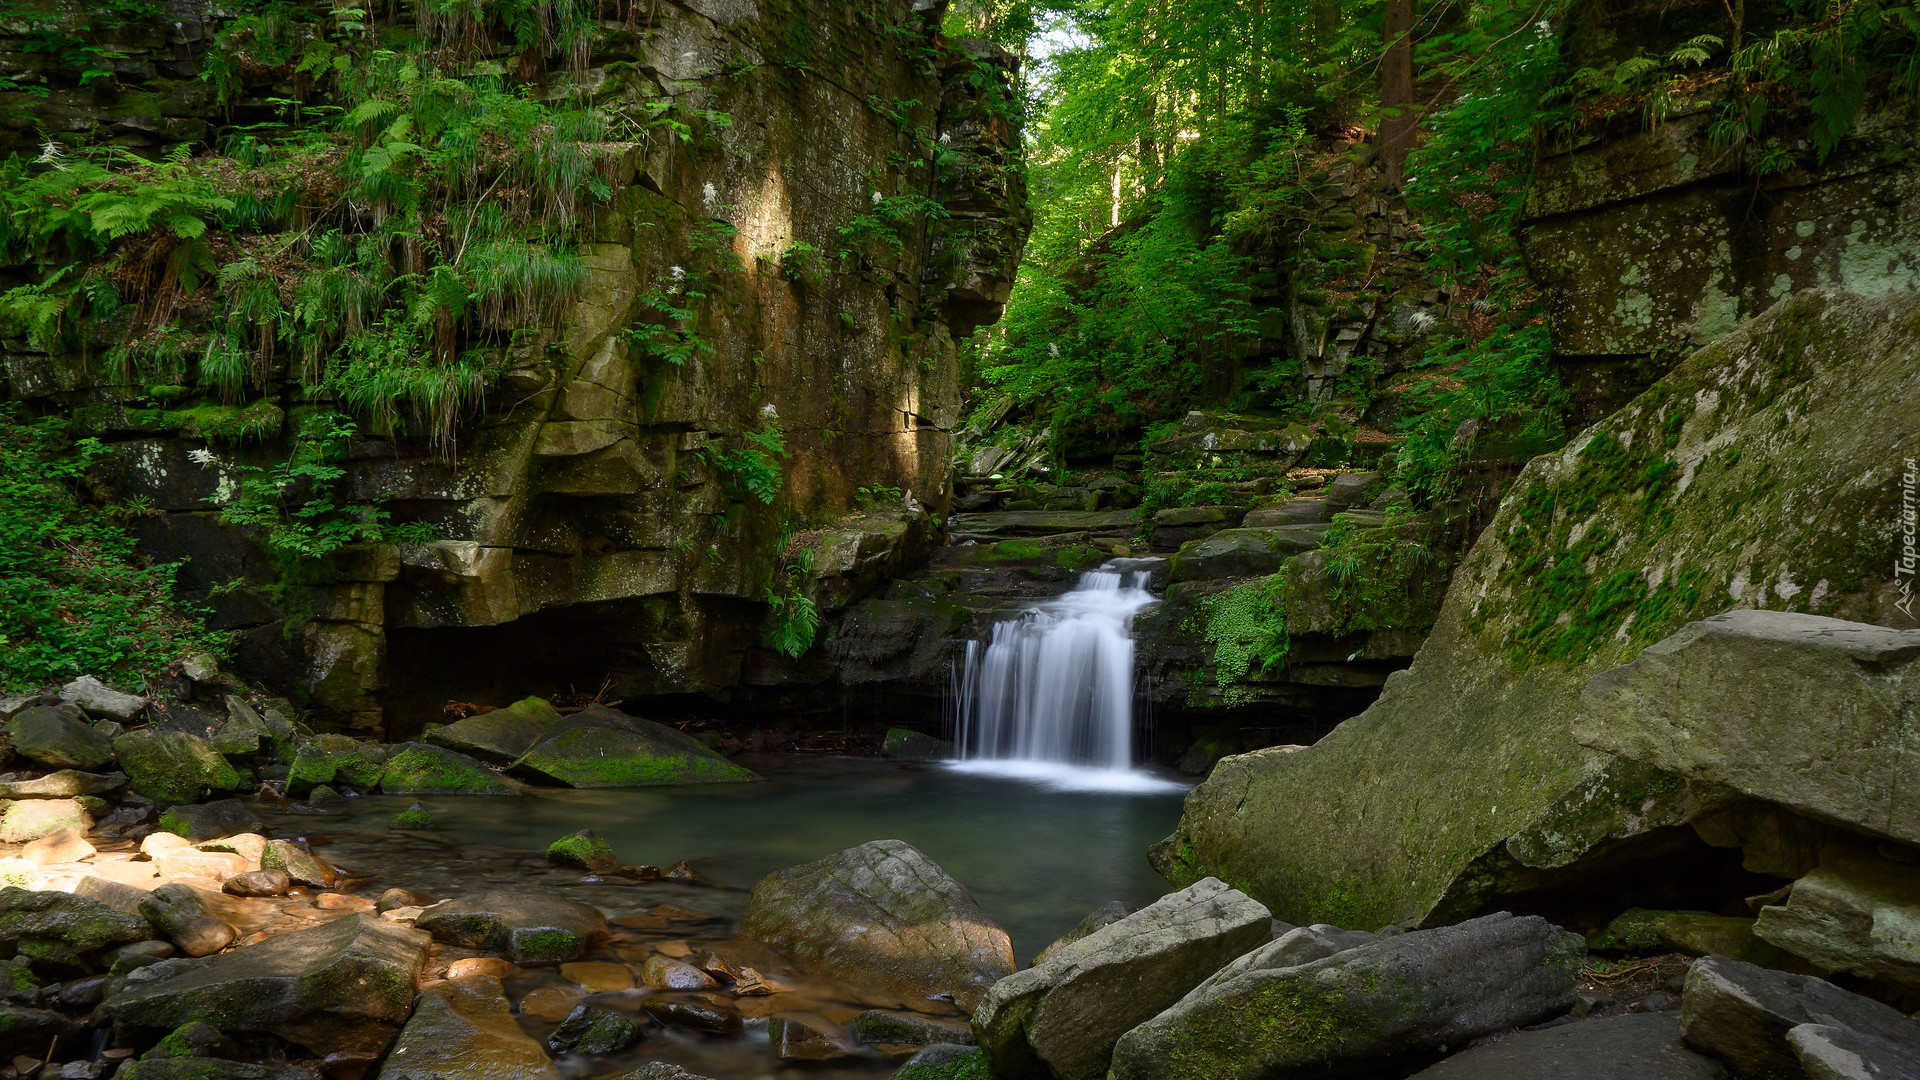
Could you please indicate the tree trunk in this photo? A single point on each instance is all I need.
(1396, 93)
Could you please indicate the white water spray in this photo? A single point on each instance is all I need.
(1055, 687)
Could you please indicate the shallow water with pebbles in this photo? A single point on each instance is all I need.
(1037, 854)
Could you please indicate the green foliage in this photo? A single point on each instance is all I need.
(74, 598)
(753, 467)
(793, 619)
(1247, 627)
(296, 504)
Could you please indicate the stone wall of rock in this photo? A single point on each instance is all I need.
(587, 493)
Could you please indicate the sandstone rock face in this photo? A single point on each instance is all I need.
(464, 1030)
(349, 982)
(1811, 713)
(1408, 993)
(885, 917)
(592, 491)
(1464, 780)
(1743, 1014)
(1061, 1017)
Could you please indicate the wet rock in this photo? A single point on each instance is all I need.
(67, 845)
(64, 784)
(298, 863)
(1835, 1053)
(550, 1002)
(1410, 993)
(528, 926)
(1741, 1014)
(594, 1031)
(500, 736)
(696, 1014)
(331, 760)
(413, 817)
(463, 1030)
(584, 849)
(944, 1061)
(598, 977)
(418, 769)
(173, 766)
(483, 965)
(1754, 699)
(36, 1033)
(1857, 913)
(31, 819)
(259, 883)
(660, 1070)
(18, 984)
(663, 973)
(179, 911)
(1105, 915)
(82, 994)
(343, 985)
(193, 1039)
(399, 898)
(212, 1069)
(1062, 1017)
(903, 744)
(885, 916)
(600, 748)
(63, 928)
(908, 1029)
(59, 736)
(201, 822)
(1639, 1046)
(806, 1037)
(102, 701)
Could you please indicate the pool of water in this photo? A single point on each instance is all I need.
(1037, 851)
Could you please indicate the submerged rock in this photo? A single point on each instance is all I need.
(905, 744)
(1410, 993)
(418, 769)
(200, 1068)
(464, 1030)
(598, 747)
(594, 1031)
(660, 1070)
(1464, 780)
(174, 766)
(59, 736)
(1742, 1015)
(259, 883)
(884, 916)
(806, 1037)
(500, 736)
(344, 984)
(528, 926)
(1061, 1017)
(1637, 1046)
(908, 1029)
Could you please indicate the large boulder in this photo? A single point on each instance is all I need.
(1636, 1046)
(60, 736)
(464, 1030)
(1464, 780)
(1857, 913)
(885, 917)
(62, 928)
(418, 769)
(343, 986)
(527, 926)
(598, 747)
(500, 736)
(1742, 1015)
(1811, 713)
(1401, 995)
(200, 822)
(334, 759)
(1061, 1017)
(174, 766)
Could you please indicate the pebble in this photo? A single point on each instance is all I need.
(483, 965)
(664, 974)
(259, 883)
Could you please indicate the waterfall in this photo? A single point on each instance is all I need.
(1055, 686)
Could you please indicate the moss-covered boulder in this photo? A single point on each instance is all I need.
(63, 929)
(525, 925)
(347, 983)
(174, 766)
(333, 760)
(500, 736)
(585, 849)
(418, 769)
(59, 736)
(31, 819)
(209, 821)
(600, 748)
(1761, 472)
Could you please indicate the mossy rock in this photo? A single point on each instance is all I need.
(59, 736)
(334, 760)
(418, 769)
(585, 849)
(500, 736)
(527, 926)
(413, 817)
(174, 766)
(30, 921)
(600, 748)
(945, 1061)
(209, 821)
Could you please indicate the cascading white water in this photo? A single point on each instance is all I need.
(1056, 685)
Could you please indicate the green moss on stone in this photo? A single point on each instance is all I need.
(971, 1066)
(547, 945)
(413, 817)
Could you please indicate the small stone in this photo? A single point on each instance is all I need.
(483, 965)
(298, 863)
(324, 795)
(259, 883)
(663, 973)
(399, 898)
(551, 1002)
(333, 901)
(597, 977)
(594, 1031)
(678, 950)
(696, 1014)
(413, 817)
(585, 850)
(183, 915)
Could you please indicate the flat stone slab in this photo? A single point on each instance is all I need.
(601, 748)
(500, 736)
(1741, 1014)
(1855, 913)
(1637, 1046)
(527, 926)
(1835, 1053)
(1044, 522)
(463, 1029)
(351, 979)
(886, 917)
(1066, 1012)
(64, 784)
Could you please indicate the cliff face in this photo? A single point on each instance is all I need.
(831, 199)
